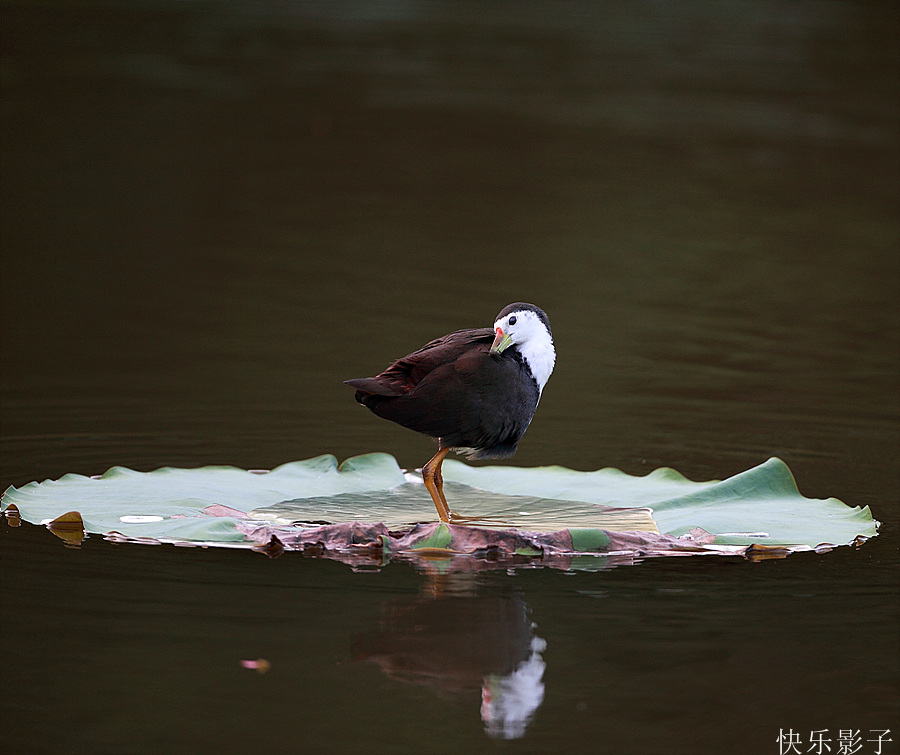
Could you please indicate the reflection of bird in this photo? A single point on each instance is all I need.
(462, 642)
(449, 644)
(475, 390)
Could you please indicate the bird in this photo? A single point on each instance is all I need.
(474, 391)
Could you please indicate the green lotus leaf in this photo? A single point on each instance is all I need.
(180, 496)
(760, 506)
(409, 503)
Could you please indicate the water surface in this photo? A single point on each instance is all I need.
(215, 214)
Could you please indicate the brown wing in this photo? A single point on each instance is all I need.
(407, 372)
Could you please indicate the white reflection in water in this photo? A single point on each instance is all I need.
(508, 703)
(456, 642)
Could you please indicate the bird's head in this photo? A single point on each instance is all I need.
(526, 327)
(519, 324)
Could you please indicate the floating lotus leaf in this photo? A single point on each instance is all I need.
(409, 503)
(226, 505)
(763, 501)
(182, 496)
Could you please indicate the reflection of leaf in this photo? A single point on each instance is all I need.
(12, 516)
(761, 505)
(68, 527)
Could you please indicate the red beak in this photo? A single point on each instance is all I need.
(498, 338)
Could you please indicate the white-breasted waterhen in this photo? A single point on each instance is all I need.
(475, 391)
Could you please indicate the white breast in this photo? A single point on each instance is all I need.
(539, 354)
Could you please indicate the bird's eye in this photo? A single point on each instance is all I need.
(512, 320)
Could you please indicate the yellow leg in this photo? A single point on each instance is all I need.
(431, 474)
(434, 481)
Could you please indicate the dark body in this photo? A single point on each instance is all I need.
(457, 390)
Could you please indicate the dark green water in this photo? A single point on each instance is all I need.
(213, 214)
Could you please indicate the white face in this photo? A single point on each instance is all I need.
(530, 336)
(522, 327)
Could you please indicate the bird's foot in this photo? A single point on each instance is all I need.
(457, 518)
